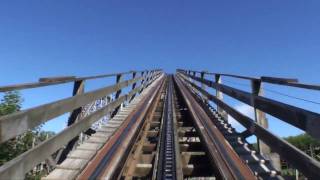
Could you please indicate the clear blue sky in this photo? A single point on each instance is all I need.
(49, 38)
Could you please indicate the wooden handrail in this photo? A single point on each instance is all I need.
(16, 123)
(292, 82)
(16, 168)
(307, 165)
(298, 117)
(48, 81)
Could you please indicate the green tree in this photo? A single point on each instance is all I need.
(10, 103)
(306, 143)
(303, 141)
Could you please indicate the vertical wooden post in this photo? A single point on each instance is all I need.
(115, 111)
(203, 86)
(78, 88)
(261, 119)
(147, 76)
(151, 75)
(134, 73)
(219, 95)
(189, 73)
(142, 81)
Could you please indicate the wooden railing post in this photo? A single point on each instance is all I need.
(219, 95)
(150, 75)
(78, 88)
(203, 86)
(261, 119)
(118, 79)
(134, 73)
(142, 80)
(147, 76)
(202, 74)
(194, 74)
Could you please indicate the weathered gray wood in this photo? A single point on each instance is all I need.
(202, 75)
(57, 79)
(261, 119)
(293, 83)
(89, 146)
(42, 84)
(81, 154)
(239, 77)
(142, 81)
(110, 75)
(278, 80)
(220, 74)
(103, 134)
(273, 80)
(16, 168)
(73, 164)
(103, 76)
(60, 174)
(29, 85)
(307, 165)
(119, 78)
(219, 95)
(78, 88)
(14, 124)
(298, 117)
(260, 116)
(134, 84)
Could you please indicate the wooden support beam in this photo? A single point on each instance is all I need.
(261, 119)
(260, 116)
(118, 79)
(148, 147)
(134, 73)
(78, 88)
(143, 79)
(142, 170)
(219, 95)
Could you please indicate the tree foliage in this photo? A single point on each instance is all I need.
(10, 103)
(303, 141)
